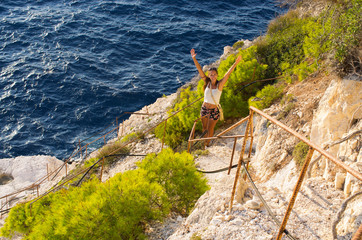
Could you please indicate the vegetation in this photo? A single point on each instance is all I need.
(266, 97)
(182, 183)
(295, 46)
(300, 152)
(112, 151)
(116, 209)
(5, 178)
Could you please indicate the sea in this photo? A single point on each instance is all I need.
(69, 68)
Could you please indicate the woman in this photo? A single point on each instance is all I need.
(212, 92)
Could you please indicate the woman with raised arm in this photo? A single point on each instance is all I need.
(212, 92)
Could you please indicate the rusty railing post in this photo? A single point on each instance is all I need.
(251, 138)
(358, 234)
(192, 135)
(251, 135)
(239, 163)
(295, 192)
(232, 155)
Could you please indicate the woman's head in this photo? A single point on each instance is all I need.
(212, 74)
(212, 77)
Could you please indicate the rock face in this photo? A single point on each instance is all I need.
(340, 106)
(339, 110)
(337, 115)
(25, 171)
(157, 112)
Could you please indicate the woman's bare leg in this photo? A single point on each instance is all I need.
(210, 130)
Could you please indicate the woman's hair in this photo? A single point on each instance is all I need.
(207, 80)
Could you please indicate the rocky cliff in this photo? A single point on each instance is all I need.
(324, 109)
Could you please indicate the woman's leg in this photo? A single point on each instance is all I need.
(204, 122)
(210, 130)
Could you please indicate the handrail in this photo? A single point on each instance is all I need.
(144, 133)
(75, 152)
(313, 145)
(249, 128)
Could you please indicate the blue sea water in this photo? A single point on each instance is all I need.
(70, 67)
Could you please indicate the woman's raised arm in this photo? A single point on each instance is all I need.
(198, 66)
(227, 74)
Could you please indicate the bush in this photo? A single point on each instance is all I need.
(110, 152)
(296, 46)
(282, 47)
(233, 100)
(179, 126)
(265, 97)
(132, 136)
(238, 44)
(181, 181)
(117, 209)
(300, 152)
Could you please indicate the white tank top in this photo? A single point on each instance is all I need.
(216, 93)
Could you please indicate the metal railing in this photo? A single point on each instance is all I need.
(249, 131)
(82, 152)
(312, 147)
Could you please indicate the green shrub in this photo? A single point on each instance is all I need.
(265, 97)
(181, 181)
(201, 152)
(133, 136)
(110, 152)
(296, 46)
(195, 236)
(285, 111)
(347, 35)
(238, 44)
(117, 209)
(282, 47)
(233, 100)
(179, 126)
(300, 152)
(287, 99)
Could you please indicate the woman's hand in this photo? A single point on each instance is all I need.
(193, 54)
